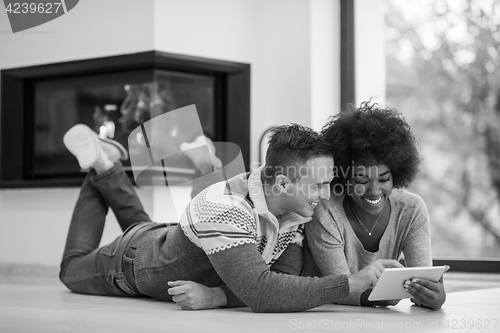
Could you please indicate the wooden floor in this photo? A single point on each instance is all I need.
(52, 308)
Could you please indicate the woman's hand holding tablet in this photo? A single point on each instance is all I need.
(422, 284)
(427, 293)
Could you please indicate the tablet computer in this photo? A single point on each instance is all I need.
(390, 283)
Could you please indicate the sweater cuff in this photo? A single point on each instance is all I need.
(232, 300)
(336, 288)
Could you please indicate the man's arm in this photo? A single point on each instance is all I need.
(247, 275)
(290, 262)
(276, 297)
(198, 296)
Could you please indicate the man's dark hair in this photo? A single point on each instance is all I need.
(290, 147)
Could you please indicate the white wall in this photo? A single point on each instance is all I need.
(291, 45)
(277, 39)
(369, 50)
(94, 28)
(34, 224)
(325, 60)
(281, 69)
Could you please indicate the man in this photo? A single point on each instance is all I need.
(241, 238)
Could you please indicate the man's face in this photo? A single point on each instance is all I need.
(314, 184)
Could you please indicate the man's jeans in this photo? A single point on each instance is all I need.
(85, 268)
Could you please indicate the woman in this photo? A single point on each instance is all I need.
(369, 216)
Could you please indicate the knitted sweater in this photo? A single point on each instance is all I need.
(337, 250)
(228, 238)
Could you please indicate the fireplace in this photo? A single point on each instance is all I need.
(112, 95)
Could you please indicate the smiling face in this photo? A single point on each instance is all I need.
(304, 194)
(370, 187)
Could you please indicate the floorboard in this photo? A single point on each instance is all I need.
(38, 308)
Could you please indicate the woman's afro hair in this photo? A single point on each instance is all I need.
(370, 135)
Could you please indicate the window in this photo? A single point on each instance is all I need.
(442, 73)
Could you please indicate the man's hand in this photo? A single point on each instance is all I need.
(189, 295)
(368, 276)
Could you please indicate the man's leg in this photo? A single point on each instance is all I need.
(119, 194)
(80, 270)
(85, 268)
(103, 155)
